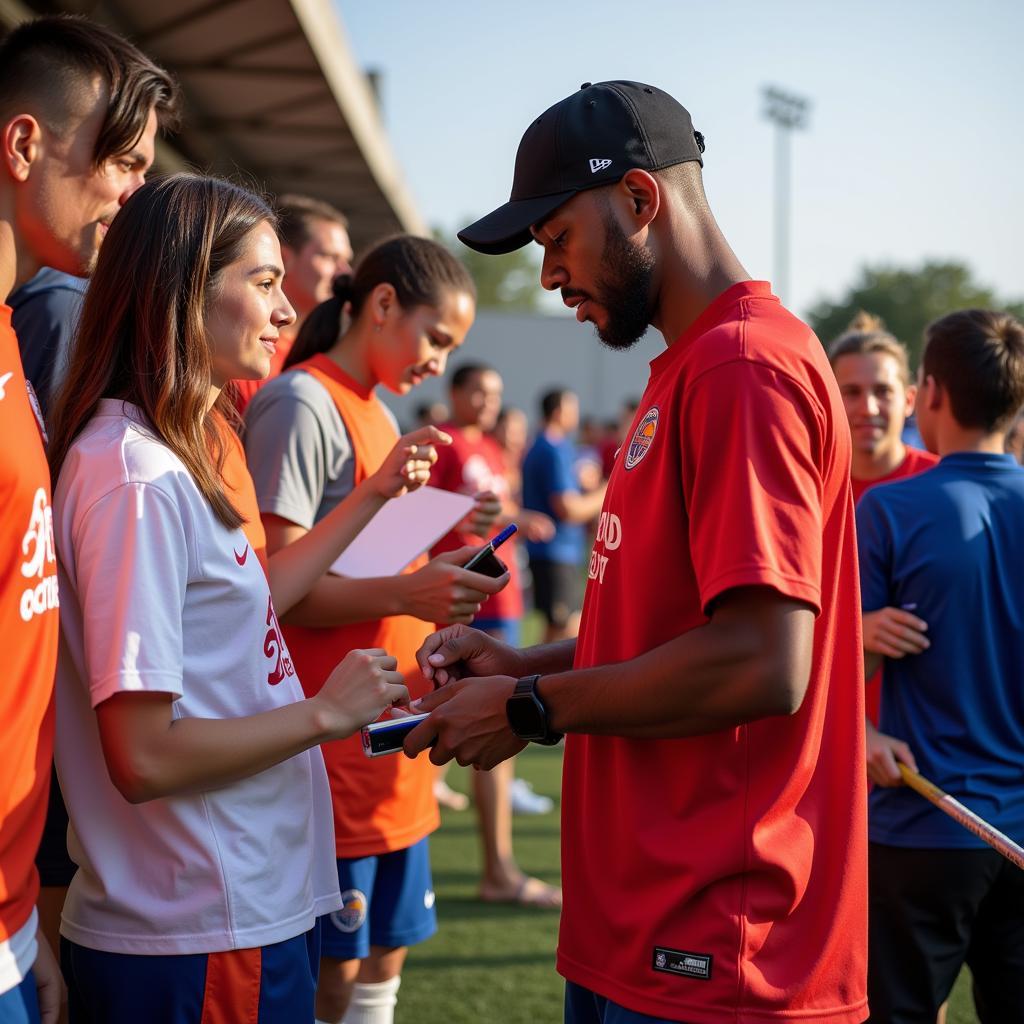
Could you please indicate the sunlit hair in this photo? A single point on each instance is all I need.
(977, 357)
(865, 335)
(51, 62)
(142, 335)
(421, 271)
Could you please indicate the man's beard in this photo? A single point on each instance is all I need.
(624, 288)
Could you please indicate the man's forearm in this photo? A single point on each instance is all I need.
(714, 677)
(553, 657)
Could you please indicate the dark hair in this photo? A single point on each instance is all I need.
(142, 334)
(977, 357)
(551, 402)
(867, 334)
(466, 372)
(50, 61)
(297, 214)
(420, 271)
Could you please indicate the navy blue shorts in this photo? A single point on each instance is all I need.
(19, 1004)
(266, 985)
(585, 1007)
(389, 902)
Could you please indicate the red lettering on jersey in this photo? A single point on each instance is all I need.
(273, 646)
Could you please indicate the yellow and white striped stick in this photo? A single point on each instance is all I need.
(956, 810)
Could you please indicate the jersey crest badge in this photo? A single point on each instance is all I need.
(353, 911)
(643, 437)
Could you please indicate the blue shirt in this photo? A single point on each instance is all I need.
(948, 545)
(45, 317)
(549, 469)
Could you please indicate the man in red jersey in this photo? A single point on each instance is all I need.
(713, 822)
(472, 463)
(873, 374)
(79, 109)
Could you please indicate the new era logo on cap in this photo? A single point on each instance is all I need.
(599, 165)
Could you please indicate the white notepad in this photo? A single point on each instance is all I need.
(401, 531)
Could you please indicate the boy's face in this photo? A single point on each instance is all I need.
(65, 204)
(876, 400)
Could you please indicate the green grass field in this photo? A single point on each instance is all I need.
(496, 963)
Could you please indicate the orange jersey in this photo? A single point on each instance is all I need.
(245, 389)
(28, 631)
(380, 804)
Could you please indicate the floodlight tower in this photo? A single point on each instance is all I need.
(788, 112)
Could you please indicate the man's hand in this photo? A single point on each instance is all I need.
(468, 720)
(458, 651)
(894, 633)
(480, 520)
(884, 755)
(50, 989)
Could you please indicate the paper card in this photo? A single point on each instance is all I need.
(401, 531)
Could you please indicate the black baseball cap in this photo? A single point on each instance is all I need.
(590, 138)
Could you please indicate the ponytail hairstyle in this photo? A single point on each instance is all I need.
(420, 270)
(142, 335)
(867, 334)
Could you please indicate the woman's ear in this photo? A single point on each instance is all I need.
(382, 304)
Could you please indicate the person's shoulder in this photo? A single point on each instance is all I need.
(50, 288)
(291, 388)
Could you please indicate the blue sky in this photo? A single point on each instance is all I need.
(915, 146)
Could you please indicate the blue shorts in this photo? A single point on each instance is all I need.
(389, 902)
(19, 1005)
(585, 1007)
(505, 630)
(266, 985)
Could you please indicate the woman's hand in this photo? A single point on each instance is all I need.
(408, 465)
(442, 591)
(361, 687)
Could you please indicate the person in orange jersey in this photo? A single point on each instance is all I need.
(187, 751)
(311, 436)
(79, 109)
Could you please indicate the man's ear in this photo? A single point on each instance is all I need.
(932, 392)
(643, 193)
(911, 392)
(21, 139)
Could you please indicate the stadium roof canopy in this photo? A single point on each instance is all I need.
(273, 96)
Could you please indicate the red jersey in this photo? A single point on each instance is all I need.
(245, 389)
(28, 630)
(468, 466)
(914, 461)
(723, 876)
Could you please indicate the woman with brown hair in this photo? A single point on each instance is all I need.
(188, 756)
(313, 434)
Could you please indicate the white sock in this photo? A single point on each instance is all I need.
(373, 1003)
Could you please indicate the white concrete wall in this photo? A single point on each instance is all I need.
(536, 352)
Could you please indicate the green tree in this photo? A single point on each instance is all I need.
(907, 300)
(508, 282)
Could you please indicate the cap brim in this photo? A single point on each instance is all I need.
(508, 227)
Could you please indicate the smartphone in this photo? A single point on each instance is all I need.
(485, 561)
(387, 737)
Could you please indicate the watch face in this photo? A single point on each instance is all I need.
(525, 716)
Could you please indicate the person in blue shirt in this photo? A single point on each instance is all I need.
(948, 545)
(550, 486)
(45, 317)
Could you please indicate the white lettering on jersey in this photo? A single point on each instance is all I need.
(609, 538)
(37, 547)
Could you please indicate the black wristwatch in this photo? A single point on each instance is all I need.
(527, 714)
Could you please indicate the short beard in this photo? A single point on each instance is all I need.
(624, 288)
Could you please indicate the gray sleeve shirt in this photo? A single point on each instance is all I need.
(298, 450)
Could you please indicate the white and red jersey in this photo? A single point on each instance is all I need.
(723, 877)
(28, 635)
(161, 597)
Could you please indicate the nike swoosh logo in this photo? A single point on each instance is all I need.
(240, 558)
(3, 381)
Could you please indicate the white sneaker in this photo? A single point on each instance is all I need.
(525, 801)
